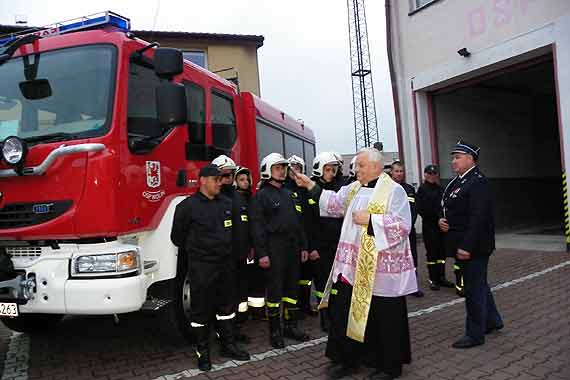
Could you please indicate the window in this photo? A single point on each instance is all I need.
(197, 57)
(196, 112)
(416, 5)
(293, 145)
(269, 140)
(142, 119)
(78, 104)
(309, 154)
(223, 121)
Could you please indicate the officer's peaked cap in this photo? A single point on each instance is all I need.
(210, 170)
(466, 148)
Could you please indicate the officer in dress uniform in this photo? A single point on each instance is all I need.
(280, 245)
(428, 202)
(469, 228)
(397, 174)
(202, 229)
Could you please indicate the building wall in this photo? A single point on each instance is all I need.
(498, 33)
(242, 57)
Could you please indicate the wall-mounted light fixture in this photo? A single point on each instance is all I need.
(464, 52)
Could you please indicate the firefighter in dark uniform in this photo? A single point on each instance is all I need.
(280, 244)
(325, 231)
(297, 165)
(241, 243)
(469, 228)
(428, 204)
(397, 174)
(202, 229)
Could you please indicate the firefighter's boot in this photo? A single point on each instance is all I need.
(292, 330)
(434, 276)
(325, 319)
(459, 286)
(443, 281)
(229, 348)
(275, 333)
(202, 334)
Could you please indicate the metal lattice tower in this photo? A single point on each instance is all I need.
(365, 127)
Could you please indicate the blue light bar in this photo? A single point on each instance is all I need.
(97, 20)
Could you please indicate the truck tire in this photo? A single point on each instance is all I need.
(32, 323)
(176, 315)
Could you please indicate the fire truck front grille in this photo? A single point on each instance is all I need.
(15, 215)
(24, 251)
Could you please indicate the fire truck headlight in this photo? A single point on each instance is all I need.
(13, 151)
(105, 265)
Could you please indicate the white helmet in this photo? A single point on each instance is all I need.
(224, 162)
(339, 158)
(296, 160)
(352, 167)
(268, 161)
(322, 159)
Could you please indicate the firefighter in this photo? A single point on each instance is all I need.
(251, 286)
(428, 202)
(241, 242)
(297, 165)
(325, 230)
(397, 173)
(202, 229)
(280, 244)
(351, 172)
(228, 168)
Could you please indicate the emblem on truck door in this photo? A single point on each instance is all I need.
(153, 174)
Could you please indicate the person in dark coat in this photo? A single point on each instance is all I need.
(280, 245)
(428, 205)
(202, 229)
(469, 228)
(397, 172)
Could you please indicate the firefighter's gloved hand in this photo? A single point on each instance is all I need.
(314, 255)
(304, 256)
(264, 262)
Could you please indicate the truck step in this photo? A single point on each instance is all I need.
(155, 304)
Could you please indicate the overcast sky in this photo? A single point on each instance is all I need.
(304, 62)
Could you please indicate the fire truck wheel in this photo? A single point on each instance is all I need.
(32, 323)
(178, 313)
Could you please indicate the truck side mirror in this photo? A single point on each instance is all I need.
(168, 62)
(171, 104)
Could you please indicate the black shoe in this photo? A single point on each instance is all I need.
(293, 332)
(460, 293)
(342, 371)
(232, 351)
(446, 284)
(277, 341)
(466, 342)
(418, 294)
(204, 363)
(494, 328)
(379, 375)
(433, 285)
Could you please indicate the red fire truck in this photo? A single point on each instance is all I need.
(102, 135)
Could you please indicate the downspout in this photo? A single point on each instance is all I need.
(394, 82)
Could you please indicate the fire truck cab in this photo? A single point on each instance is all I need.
(102, 135)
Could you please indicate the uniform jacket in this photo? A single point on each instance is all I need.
(468, 208)
(276, 213)
(202, 227)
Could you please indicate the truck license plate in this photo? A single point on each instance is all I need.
(8, 309)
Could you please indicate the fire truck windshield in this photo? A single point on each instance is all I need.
(58, 95)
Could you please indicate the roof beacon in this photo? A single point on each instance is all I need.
(94, 21)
